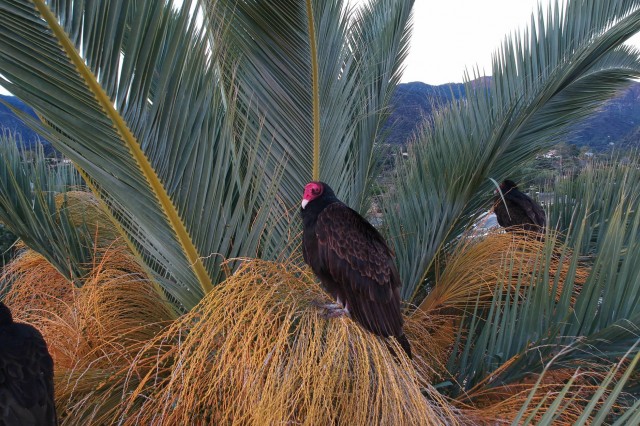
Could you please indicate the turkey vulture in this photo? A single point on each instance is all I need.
(518, 210)
(26, 375)
(353, 263)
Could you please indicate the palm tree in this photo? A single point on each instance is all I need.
(197, 126)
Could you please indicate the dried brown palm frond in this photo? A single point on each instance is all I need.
(92, 331)
(535, 395)
(431, 336)
(472, 271)
(84, 210)
(39, 294)
(257, 350)
(115, 313)
(34, 285)
(466, 286)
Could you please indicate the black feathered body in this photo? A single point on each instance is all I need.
(519, 210)
(354, 265)
(26, 375)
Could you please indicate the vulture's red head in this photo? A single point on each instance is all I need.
(312, 191)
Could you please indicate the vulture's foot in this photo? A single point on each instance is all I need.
(331, 310)
(335, 312)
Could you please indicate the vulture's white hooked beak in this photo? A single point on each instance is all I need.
(304, 202)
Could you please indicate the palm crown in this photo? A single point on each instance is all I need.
(197, 127)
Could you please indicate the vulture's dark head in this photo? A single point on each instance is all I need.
(508, 185)
(317, 193)
(5, 315)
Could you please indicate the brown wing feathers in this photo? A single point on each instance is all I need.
(352, 261)
(518, 209)
(357, 258)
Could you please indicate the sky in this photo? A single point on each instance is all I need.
(450, 36)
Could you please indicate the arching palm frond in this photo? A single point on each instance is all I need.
(358, 59)
(562, 320)
(130, 92)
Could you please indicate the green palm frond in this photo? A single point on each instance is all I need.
(145, 117)
(598, 408)
(382, 32)
(359, 52)
(595, 192)
(543, 80)
(28, 190)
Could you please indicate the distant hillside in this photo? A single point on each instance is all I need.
(11, 122)
(412, 102)
(618, 121)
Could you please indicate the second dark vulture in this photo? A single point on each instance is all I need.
(518, 210)
(353, 263)
(26, 375)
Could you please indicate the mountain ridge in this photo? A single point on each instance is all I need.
(617, 122)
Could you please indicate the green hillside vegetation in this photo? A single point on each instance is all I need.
(616, 123)
(162, 263)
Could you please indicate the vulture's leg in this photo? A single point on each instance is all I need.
(332, 310)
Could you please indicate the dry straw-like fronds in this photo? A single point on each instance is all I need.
(115, 313)
(257, 350)
(431, 336)
(34, 285)
(505, 402)
(84, 209)
(472, 273)
(470, 277)
(478, 264)
(92, 331)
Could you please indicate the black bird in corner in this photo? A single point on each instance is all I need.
(26, 375)
(518, 210)
(353, 263)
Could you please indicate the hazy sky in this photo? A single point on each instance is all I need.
(451, 35)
